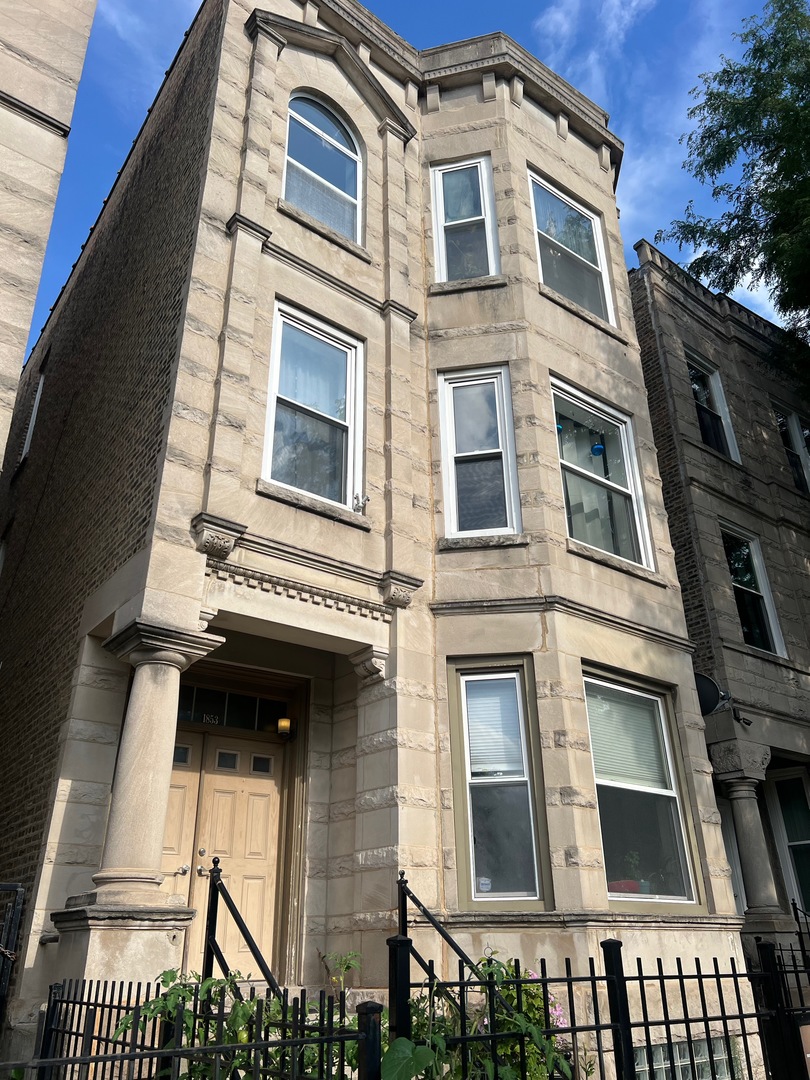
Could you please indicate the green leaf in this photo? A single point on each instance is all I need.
(404, 1060)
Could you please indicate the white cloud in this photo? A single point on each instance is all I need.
(557, 28)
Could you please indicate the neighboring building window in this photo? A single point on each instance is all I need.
(466, 231)
(313, 441)
(600, 481)
(323, 167)
(700, 1058)
(788, 797)
(29, 431)
(712, 411)
(569, 249)
(639, 811)
(478, 453)
(501, 814)
(795, 434)
(751, 592)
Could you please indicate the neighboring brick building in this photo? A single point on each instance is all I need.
(733, 442)
(344, 391)
(42, 47)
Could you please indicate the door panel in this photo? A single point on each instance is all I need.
(238, 820)
(178, 841)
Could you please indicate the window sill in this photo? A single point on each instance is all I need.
(313, 505)
(305, 219)
(716, 454)
(474, 543)
(576, 547)
(760, 654)
(583, 313)
(492, 281)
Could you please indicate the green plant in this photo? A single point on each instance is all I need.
(338, 965)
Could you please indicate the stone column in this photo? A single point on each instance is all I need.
(130, 865)
(740, 767)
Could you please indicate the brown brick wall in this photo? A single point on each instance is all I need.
(82, 503)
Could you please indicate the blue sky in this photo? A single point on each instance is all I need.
(637, 59)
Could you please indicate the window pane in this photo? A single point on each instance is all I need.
(309, 454)
(801, 865)
(461, 189)
(313, 372)
(712, 431)
(475, 417)
(324, 203)
(493, 727)
(322, 118)
(242, 711)
(626, 738)
(600, 517)
(590, 441)
(480, 494)
(796, 814)
(209, 706)
(756, 629)
(466, 250)
(740, 562)
(503, 844)
(321, 157)
(185, 704)
(701, 386)
(572, 278)
(569, 227)
(641, 839)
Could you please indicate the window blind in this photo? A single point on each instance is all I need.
(626, 738)
(493, 727)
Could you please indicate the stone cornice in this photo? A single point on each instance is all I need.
(298, 590)
(329, 43)
(31, 113)
(239, 221)
(317, 272)
(143, 643)
(509, 605)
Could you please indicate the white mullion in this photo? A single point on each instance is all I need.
(578, 469)
(322, 134)
(570, 251)
(322, 180)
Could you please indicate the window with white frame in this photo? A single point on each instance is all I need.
(314, 433)
(700, 1059)
(639, 810)
(32, 419)
(794, 432)
(500, 808)
(466, 235)
(712, 411)
(323, 169)
(600, 480)
(752, 593)
(570, 250)
(478, 453)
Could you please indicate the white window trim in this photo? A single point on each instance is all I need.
(32, 419)
(520, 690)
(354, 400)
(674, 791)
(778, 825)
(720, 404)
(596, 224)
(796, 438)
(503, 396)
(358, 226)
(484, 167)
(764, 585)
(635, 490)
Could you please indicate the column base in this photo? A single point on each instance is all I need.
(124, 942)
(128, 886)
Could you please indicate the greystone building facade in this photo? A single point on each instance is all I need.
(733, 437)
(334, 535)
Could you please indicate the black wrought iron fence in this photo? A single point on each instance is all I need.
(11, 902)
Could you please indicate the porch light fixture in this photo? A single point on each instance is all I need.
(285, 727)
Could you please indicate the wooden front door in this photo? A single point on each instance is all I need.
(225, 801)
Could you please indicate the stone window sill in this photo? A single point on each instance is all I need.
(493, 281)
(582, 313)
(576, 547)
(312, 505)
(476, 543)
(305, 219)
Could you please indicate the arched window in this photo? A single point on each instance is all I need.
(323, 167)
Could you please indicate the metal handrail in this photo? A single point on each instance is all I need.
(217, 888)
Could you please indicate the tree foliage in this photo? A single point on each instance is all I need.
(751, 143)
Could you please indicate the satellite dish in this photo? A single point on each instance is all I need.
(710, 696)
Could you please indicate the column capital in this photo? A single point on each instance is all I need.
(738, 759)
(143, 643)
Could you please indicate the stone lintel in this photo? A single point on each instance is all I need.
(142, 643)
(216, 536)
(738, 759)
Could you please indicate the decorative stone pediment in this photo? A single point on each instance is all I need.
(328, 43)
(216, 536)
(738, 758)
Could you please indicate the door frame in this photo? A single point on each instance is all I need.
(287, 947)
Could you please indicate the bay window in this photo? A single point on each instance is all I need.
(464, 215)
